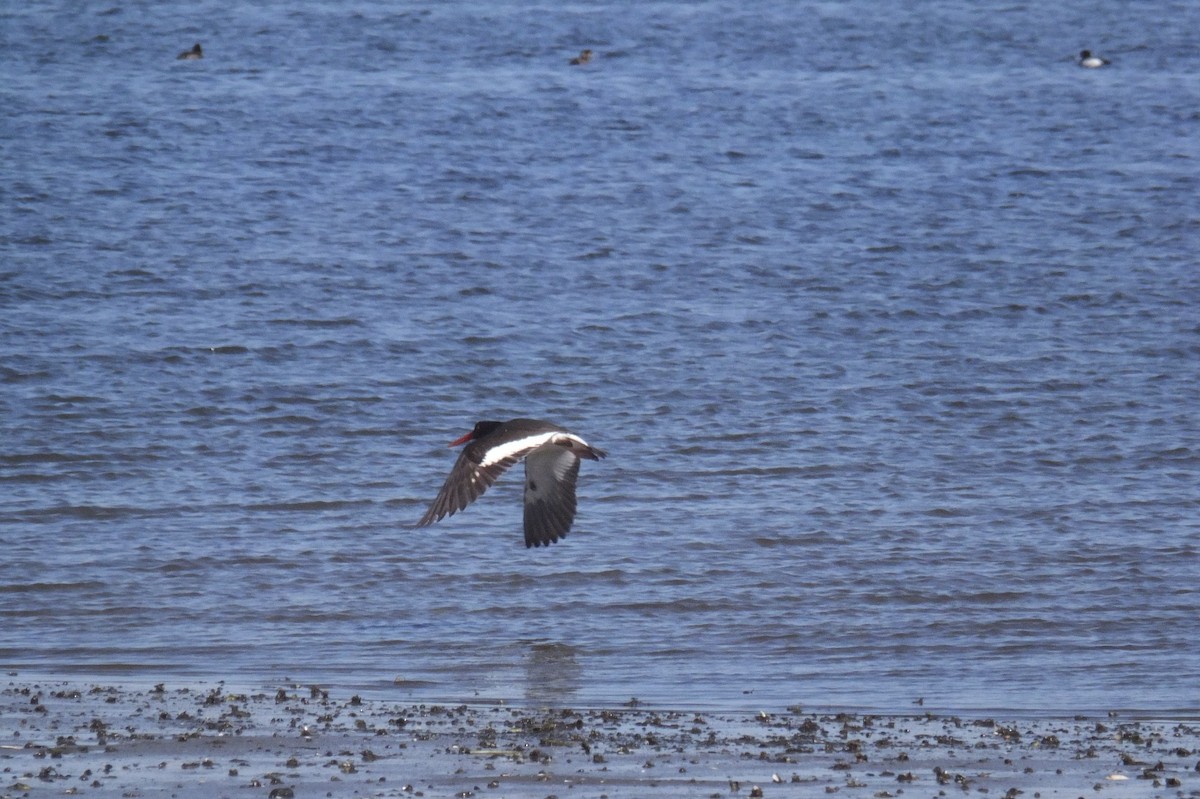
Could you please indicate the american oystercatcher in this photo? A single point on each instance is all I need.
(552, 456)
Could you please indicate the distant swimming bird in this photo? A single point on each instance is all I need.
(584, 57)
(552, 455)
(191, 55)
(1086, 59)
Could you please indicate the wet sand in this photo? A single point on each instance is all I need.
(103, 740)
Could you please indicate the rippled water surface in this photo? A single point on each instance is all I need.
(887, 319)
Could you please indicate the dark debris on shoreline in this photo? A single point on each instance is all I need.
(109, 741)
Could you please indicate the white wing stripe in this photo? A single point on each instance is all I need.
(512, 448)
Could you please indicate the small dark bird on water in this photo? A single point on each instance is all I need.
(552, 455)
(1090, 60)
(584, 57)
(191, 55)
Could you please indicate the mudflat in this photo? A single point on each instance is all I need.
(104, 740)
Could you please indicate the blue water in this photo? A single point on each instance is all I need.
(887, 318)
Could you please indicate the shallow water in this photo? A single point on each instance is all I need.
(887, 321)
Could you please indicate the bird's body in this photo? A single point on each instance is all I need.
(197, 52)
(551, 454)
(584, 57)
(1088, 59)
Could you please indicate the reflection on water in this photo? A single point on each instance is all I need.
(552, 674)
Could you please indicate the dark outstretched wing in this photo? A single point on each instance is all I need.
(465, 484)
(550, 474)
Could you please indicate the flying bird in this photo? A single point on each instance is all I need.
(552, 455)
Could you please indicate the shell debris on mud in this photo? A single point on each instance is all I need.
(111, 741)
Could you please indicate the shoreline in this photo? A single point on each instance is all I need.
(100, 739)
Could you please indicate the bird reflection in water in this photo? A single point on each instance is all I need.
(552, 673)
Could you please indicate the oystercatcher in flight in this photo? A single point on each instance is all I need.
(552, 456)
